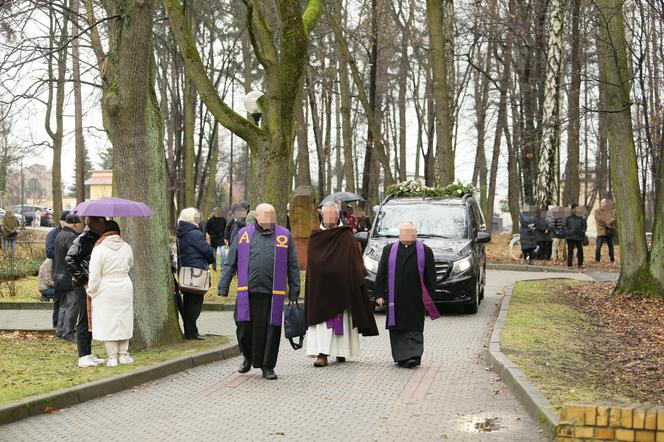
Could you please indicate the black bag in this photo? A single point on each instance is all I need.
(586, 241)
(294, 326)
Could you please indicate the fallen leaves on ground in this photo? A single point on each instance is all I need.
(630, 336)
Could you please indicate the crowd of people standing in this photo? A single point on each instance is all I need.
(558, 232)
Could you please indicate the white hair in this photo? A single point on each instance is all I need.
(190, 215)
(408, 224)
(330, 204)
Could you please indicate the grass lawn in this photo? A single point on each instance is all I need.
(38, 363)
(554, 345)
(25, 290)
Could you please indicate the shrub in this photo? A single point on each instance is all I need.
(18, 268)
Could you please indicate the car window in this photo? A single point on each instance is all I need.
(444, 220)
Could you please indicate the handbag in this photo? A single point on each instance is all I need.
(586, 241)
(294, 326)
(193, 280)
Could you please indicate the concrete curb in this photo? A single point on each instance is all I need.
(207, 306)
(527, 268)
(67, 397)
(530, 397)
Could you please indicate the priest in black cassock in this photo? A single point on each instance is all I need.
(404, 282)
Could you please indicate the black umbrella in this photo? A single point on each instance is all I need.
(345, 197)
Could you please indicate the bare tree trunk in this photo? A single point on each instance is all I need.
(78, 106)
(57, 134)
(303, 176)
(546, 182)
(572, 183)
(344, 90)
(439, 54)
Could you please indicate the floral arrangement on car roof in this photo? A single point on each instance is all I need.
(417, 188)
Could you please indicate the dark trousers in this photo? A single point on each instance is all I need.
(570, 252)
(67, 314)
(57, 298)
(83, 336)
(191, 309)
(258, 340)
(608, 239)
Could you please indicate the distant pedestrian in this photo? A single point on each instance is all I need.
(45, 283)
(36, 220)
(10, 227)
(544, 239)
(527, 232)
(112, 294)
(194, 252)
(64, 285)
(575, 234)
(78, 263)
(238, 221)
(50, 253)
(605, 218)
(555, 220)
(214, 231)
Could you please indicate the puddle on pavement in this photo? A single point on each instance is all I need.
(483, 425)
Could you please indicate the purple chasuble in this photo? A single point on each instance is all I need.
(279, 274)
(391, 274)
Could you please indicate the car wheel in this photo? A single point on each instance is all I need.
(475, 304)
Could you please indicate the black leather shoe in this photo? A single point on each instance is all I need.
(411, 363)
(245, 366)
(269, 374)
(195, 338)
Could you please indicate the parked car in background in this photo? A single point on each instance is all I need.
(17, 215)
(28, 211)
(453, 228)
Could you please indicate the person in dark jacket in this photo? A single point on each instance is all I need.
(50, 253)
(575, 228)
(527, 232)
(214, 230)
(193, 251)
(67, 312)
(78, 263)
(259, 247)
(238, 221)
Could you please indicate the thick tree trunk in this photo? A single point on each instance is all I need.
(441, 92)
(572, 183)
(130, 102)
(635, 274)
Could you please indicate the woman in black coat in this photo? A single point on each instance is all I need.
(193, 251)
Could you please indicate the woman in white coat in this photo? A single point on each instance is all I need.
(112, 294)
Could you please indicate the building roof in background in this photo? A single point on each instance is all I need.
(100, 178)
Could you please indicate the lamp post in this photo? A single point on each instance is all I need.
(251, 105)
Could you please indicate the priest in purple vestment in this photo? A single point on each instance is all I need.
(406, 276)
(263, 256)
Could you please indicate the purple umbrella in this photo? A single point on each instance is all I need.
(113, 207)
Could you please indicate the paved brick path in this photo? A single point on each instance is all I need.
(367, 399)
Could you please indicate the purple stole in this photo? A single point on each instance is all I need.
(391, 273)
(278, 276)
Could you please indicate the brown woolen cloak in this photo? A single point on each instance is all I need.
(335, 280)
